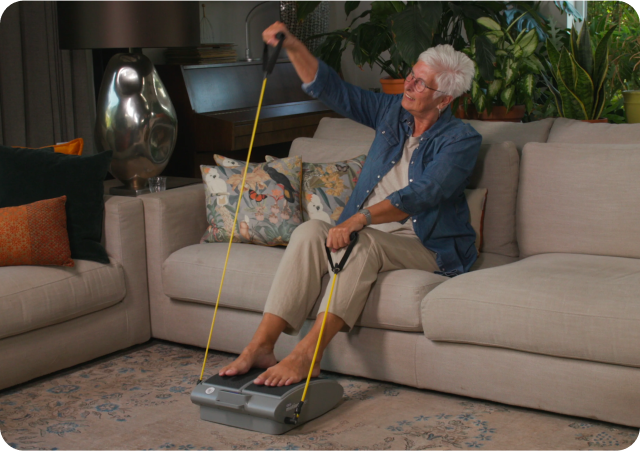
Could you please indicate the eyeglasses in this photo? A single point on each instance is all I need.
(419, 82)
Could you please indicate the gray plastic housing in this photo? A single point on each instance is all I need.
(236, 401)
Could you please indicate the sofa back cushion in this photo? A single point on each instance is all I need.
(578, 132)
(519, 133)
(578, 198)
(497, 170)
(320, 150)
(344, 130)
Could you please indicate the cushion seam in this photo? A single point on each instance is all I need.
(529, 308)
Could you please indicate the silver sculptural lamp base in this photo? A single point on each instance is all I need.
(136, 120)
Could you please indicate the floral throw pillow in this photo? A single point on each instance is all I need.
(270, 205)
(327, 187)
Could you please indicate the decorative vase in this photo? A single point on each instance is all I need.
(316, 22)
(498, 114)
(135, 119)
(392, 85)
(632, 106)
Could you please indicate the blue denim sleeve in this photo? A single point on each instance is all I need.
(353, 102)
(442, 177)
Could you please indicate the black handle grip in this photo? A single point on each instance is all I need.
(269, 63)
(336, 268)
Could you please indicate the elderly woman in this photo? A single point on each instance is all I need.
(408, 205)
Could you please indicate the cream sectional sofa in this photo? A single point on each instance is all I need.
(549, 317)
(55, 317)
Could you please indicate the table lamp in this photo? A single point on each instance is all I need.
(135, 117)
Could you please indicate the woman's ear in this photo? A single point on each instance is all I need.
(445, 102)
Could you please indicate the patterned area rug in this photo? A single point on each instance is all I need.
(140, 400)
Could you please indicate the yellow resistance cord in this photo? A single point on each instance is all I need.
(224, 271)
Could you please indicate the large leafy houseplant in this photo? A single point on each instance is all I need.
(404, 30)
(512, 76)
(578, 75)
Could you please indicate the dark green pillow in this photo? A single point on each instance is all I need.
(30, 175)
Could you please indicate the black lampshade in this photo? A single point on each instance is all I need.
(115, 24)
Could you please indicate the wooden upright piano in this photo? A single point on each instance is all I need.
(216, 107)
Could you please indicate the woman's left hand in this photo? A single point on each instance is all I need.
(339, 235)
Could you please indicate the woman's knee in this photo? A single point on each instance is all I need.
(312, 229)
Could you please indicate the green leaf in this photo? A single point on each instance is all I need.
(554, 56)
(489, 23)
(601, 66)
(349, 7)
(529, 43)
(572, 108)
(508, 97)
(413, 29)
(566, 69)
(510, 71)
(303, 9)
(528, 83)
(584, 89)
(584, 54)
(484, 57)
(382, 10)
(493, 90)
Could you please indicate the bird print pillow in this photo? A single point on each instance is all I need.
(270, 205)
(327, 187)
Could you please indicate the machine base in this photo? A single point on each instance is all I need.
(236, 401)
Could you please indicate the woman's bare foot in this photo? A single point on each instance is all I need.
(293, 369)
(252, 356)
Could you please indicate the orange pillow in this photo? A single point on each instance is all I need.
(35, 234)
(73, 147)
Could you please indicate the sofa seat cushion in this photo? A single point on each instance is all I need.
(32, 297)
(565, 305)
(193, 274)
(488, 260)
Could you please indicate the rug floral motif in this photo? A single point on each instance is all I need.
(141, 400)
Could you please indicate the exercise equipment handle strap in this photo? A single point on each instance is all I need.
(269, 64)
(337, 268)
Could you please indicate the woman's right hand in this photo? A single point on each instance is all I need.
(269, 35)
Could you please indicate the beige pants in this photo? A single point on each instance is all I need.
(297, 282)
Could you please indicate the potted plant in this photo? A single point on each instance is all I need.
(397, 32)
(505, 89)
(578, 76)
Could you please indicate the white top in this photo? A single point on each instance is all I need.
(396, 179)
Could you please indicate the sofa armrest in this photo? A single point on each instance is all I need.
(174, 219)
(124, 240)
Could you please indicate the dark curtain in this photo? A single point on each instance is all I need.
(46, 94)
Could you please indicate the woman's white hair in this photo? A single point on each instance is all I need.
(454, 70)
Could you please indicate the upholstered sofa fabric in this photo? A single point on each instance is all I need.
(32, 297)
(103, 327)
(313, 150)
(193, 274)
(343, 130)
(564, 305)
(579, 198)
(497, 169)
(578, 132)
(518, 133)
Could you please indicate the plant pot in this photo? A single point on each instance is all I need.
(597, 121)
(498, 114)
(632, 106)
(392, 85)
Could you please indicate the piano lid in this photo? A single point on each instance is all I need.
(224, 87)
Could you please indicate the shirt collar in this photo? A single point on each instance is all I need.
(445, 117)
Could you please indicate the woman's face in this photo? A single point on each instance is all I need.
(422, 103)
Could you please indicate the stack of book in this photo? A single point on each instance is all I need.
(204, 54)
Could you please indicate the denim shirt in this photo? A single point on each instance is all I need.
(438, 174)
